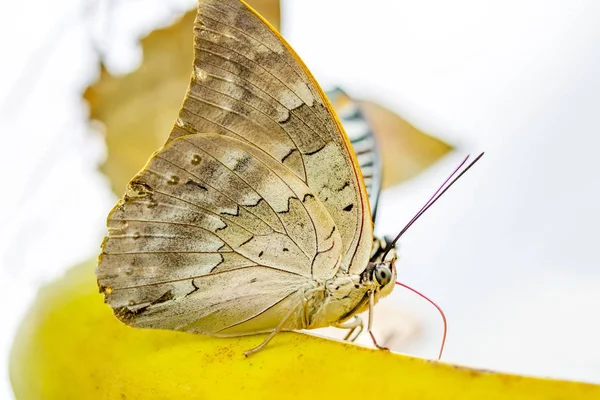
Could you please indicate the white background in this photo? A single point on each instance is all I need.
(511, 253)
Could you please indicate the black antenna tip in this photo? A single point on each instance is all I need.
(442, 189)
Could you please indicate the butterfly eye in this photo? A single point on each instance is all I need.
(383, 275)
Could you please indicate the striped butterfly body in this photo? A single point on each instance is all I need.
(254, 216)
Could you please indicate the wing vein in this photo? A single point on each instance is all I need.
(222, 193)
(293, 111)
(205, 276)
(258, 110)
(220, 217)
(317, 116)
(243, 180)
(258, 313)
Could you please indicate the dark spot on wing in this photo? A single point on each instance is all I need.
(307, 196)
(216, 266)
(242, 164)
(255, 204)
(310, 153)
(196, 184)
(196, 159)
(288, 205)
(348, 207)
(288, 154)
(246, 241)
(139, 187)
(223, 247)
(126, 314)
(235, 214)
(165, 297)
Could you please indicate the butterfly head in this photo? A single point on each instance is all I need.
(384, 276)
(382, 272)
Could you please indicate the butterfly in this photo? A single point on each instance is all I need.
(254, 217)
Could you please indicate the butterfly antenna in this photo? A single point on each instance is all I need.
(438, 308)
(435, 197)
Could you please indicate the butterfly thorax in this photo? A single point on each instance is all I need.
(346, 295)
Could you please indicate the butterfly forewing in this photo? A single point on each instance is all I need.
(249, 84)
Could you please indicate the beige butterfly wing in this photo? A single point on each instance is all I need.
(222, 232)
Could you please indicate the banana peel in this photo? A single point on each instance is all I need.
(70, 346)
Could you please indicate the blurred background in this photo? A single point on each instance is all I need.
(509, 254)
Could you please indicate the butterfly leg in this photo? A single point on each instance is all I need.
(370, 326)
(356, 324)
(275, 331)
